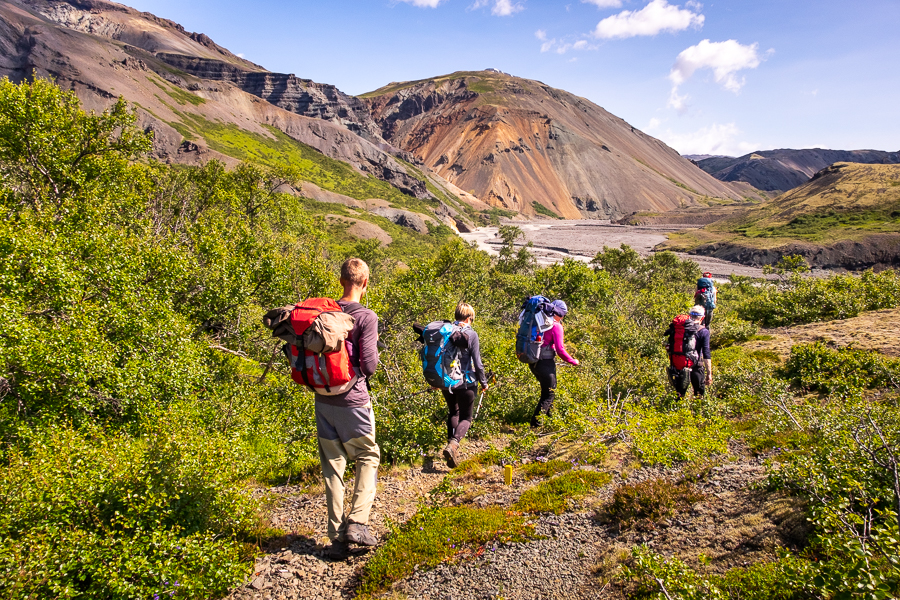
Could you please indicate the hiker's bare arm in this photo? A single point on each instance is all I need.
(707, 366)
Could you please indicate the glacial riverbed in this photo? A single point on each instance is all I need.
(580, 240)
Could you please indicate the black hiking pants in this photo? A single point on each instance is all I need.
(459, 411)
(707, 319)
(695, 377)
(544, 371)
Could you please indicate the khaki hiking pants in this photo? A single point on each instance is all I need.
(347, 434)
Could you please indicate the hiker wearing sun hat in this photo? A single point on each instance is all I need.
(544, 369)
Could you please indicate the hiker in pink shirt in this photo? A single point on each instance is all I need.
(544, 369)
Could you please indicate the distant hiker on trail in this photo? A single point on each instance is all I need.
(544, 369)
(461, 399)
(345, 423)
(706, 296)
(690, 360)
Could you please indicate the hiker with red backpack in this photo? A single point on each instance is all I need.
(706, 296)
(690, 359)
(332, 347)
(551, 345)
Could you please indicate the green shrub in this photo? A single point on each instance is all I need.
(551, 496)
(811, 299)
(818, 367)
(90, 515)
(664, 438)
(653, 576)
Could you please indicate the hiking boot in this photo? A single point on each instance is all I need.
(450, 454)
(338, 550)
(359, 534)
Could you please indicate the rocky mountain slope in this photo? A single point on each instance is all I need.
(522, 145)
(782, 170)
(846, 216)
(202, 101)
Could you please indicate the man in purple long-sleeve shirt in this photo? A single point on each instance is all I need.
(345, 423)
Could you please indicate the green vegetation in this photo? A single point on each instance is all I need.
(552, 496)
(434, 535)
(177, 94)
(545, 469)
(140, 403)
(543, 210)
(280, 150)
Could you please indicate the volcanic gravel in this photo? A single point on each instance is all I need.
(733, 525)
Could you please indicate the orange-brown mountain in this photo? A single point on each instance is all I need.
(517, 143)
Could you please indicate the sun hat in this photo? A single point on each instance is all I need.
(559, 308)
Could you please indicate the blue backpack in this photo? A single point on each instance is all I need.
(536, 318)
(441, 366)
(705, 295)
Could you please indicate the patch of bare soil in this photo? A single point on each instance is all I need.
(876, 330)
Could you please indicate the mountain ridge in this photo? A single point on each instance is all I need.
(517, 142)
(785, 169)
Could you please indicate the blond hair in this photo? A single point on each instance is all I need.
(354, 271)
(464, 311)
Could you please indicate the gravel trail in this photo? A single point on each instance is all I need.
(733, 525)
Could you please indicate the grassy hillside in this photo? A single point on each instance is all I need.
(847, 201)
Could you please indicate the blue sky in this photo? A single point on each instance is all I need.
(725, 77)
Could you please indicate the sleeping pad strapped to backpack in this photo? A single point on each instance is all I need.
(444, 343)
(682, 342)
(536, 318)
(705, 295)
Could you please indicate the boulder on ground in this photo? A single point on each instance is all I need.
(405, 218)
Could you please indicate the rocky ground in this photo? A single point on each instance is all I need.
(732, 525)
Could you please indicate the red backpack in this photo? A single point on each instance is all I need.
(682, 342)
(329, 371)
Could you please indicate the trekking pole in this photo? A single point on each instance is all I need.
(478, 408)
(490, 378)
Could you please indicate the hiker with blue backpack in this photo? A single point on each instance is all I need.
(451, 362)
(706, 296)
(538, 342)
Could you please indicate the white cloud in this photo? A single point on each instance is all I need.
(656, 17)
(559, 46)
(423, 3)
(604, 3)
(502, 8)
(715, 139)
(725, 59)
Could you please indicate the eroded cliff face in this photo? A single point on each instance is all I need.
(301, 96)
(514, 142)
(103, 50)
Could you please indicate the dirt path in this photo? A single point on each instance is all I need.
(581, 240)
(732, 525)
